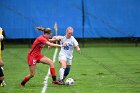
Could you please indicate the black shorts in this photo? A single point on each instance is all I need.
(1, 72)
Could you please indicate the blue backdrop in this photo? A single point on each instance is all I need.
(89, 18)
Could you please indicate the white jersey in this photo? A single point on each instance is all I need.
(67, 51)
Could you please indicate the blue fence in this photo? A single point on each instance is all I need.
(89, 18)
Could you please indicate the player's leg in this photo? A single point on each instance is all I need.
(62, 69)
(1, 64)
(1, 76)
(29, 76)
(2, 83)
(68, 67)
(48, 61)
(67, 71)
(32, 65)
(62, 61)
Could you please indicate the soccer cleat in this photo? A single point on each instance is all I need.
(21, 85)
(3, 84)
(63, 83)
(57, 82)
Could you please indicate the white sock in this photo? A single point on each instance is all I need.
(61, 73)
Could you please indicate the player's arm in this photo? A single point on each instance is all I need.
(78, 49)
(76, 45)
(53, 40)
(54, 45)
(56, 38)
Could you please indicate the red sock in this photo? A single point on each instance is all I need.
(52, 70)
(53, 73)
(26, 79)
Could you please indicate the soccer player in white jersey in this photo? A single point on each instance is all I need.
(66, 53)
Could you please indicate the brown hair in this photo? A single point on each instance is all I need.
(45, 30)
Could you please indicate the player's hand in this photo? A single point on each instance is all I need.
(78, 50)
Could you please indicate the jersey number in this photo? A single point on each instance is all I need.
(66, 48)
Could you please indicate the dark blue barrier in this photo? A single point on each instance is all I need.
(89, 18)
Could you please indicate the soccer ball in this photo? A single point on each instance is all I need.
(69, 81)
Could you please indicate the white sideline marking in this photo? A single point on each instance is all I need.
(48, 74)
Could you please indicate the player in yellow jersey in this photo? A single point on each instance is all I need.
(2, 83)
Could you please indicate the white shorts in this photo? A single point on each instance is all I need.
(68, 61)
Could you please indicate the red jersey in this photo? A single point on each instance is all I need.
(37, 46)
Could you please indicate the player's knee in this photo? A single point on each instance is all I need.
(63, 66)
(32, 75)
(1, 64)
(51, 64)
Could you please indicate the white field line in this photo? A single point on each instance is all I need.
(48, 74)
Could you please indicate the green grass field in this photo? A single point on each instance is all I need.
(96, 70)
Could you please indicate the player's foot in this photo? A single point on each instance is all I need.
(62, 82)
(57, 82)
(3, 84)
(21, 85)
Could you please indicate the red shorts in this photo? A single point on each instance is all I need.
(33, 60)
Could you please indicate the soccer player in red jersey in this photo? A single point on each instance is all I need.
(35, 56)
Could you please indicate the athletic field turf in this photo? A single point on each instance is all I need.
(113, 69)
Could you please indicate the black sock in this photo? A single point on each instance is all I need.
(67, 70)
(54, 78)
(23, 82)
(1, 81)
